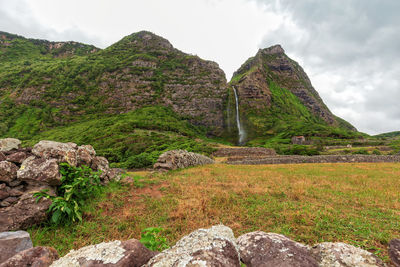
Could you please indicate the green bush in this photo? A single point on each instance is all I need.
(78, 184)
(152, 239)
(361, 151)
(376, 152)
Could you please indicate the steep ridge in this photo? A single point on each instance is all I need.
(276, 95)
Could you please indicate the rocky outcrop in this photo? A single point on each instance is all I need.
(344, 255)
(35, 257)
(178, 159)
(270, 249)
(24, 171)
(215, 246)
(394, 251)
(12, 243)
(116, 253)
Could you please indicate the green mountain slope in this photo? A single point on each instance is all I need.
(277, 101)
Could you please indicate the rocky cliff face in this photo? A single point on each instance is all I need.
(142, 69)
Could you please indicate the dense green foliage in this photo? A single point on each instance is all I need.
(153, 239)
(78, 184)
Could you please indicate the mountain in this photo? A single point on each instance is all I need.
(276, 97)
(388, 135)
(141, 96)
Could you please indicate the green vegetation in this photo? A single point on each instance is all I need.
(78, 185)
(353, 203)
(153, 239)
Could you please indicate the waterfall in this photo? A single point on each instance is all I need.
(241, 131)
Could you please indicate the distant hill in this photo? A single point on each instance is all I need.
(388, 135)
(141, 96)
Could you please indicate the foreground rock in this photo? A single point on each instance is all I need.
(178, 159)
(12, 243)
(9, 144)
(40, 171)
(270, 249)
(214, 246)
(8, 171)
(35, 257)
(63, 152)
(116, 253)
(344, 255)
(27, 212)
(394, 251)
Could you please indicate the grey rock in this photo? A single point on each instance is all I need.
(214, 246)
(8, 171)
(33, 257)
(178, 159)
(63, 152)
(394, 251)
(17, 157)
(115, 253)
(12, 243)
(27, 212)
(15, 183)
(259, 249)
(344, 255)
(8, 201)
(40, 171)
(101, 164)
(85, 155)
(8, 144)
(2, 156)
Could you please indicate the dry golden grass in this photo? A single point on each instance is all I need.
(354, 203)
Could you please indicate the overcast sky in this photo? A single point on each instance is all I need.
(349, 48)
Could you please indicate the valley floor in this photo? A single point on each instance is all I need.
(357, 203)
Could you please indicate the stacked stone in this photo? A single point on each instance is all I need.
(24, 171)
(179, 159)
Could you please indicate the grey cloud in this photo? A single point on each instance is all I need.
(355, 39)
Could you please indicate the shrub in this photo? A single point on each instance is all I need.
(376, 152)
(361, 151)
(152, 239)
(78, 184)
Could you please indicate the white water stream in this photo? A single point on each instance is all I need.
(241, 131)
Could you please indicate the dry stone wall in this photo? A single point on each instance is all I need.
(211, 247)
(24, 171)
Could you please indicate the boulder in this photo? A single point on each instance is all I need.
(270, 249)
(178, 159)
(394, 251)
(4, 191)
(40, 171)
(12, 243)
(63, 152)
(8, 201)
(85, 155)
(115, 253)
(8, 171)
(214, 246)
(2, 156)
(115, 174)
(35, 257)
(8, 144)
(26, 212)
(101, 164)
(17, 157)
(344, 255)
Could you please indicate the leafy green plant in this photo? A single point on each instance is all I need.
(78, 184)
(153, 239)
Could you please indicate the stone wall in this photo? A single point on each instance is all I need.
(314, 159)
(214, 246)
(24, 171)
(178, 159)
(244, 152)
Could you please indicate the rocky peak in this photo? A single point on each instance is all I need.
(276, 49)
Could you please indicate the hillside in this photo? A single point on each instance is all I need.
(276, 98)
(141, 96)
(388, 135)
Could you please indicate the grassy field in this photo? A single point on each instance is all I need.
(310, 203)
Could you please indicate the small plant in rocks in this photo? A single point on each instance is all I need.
(153, 239)
(78, 185)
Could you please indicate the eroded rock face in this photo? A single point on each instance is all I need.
(8, 171)
(2, 156)
(214, 246)
(116, 253)
(40, 171)
(17, 157)
(270, 249)
(26, 212)
(177, 159)
(63, 152)
(394, 251)
(101, 164)
(8, 144)
(344, 255)
(12, 243)
(35, 257)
